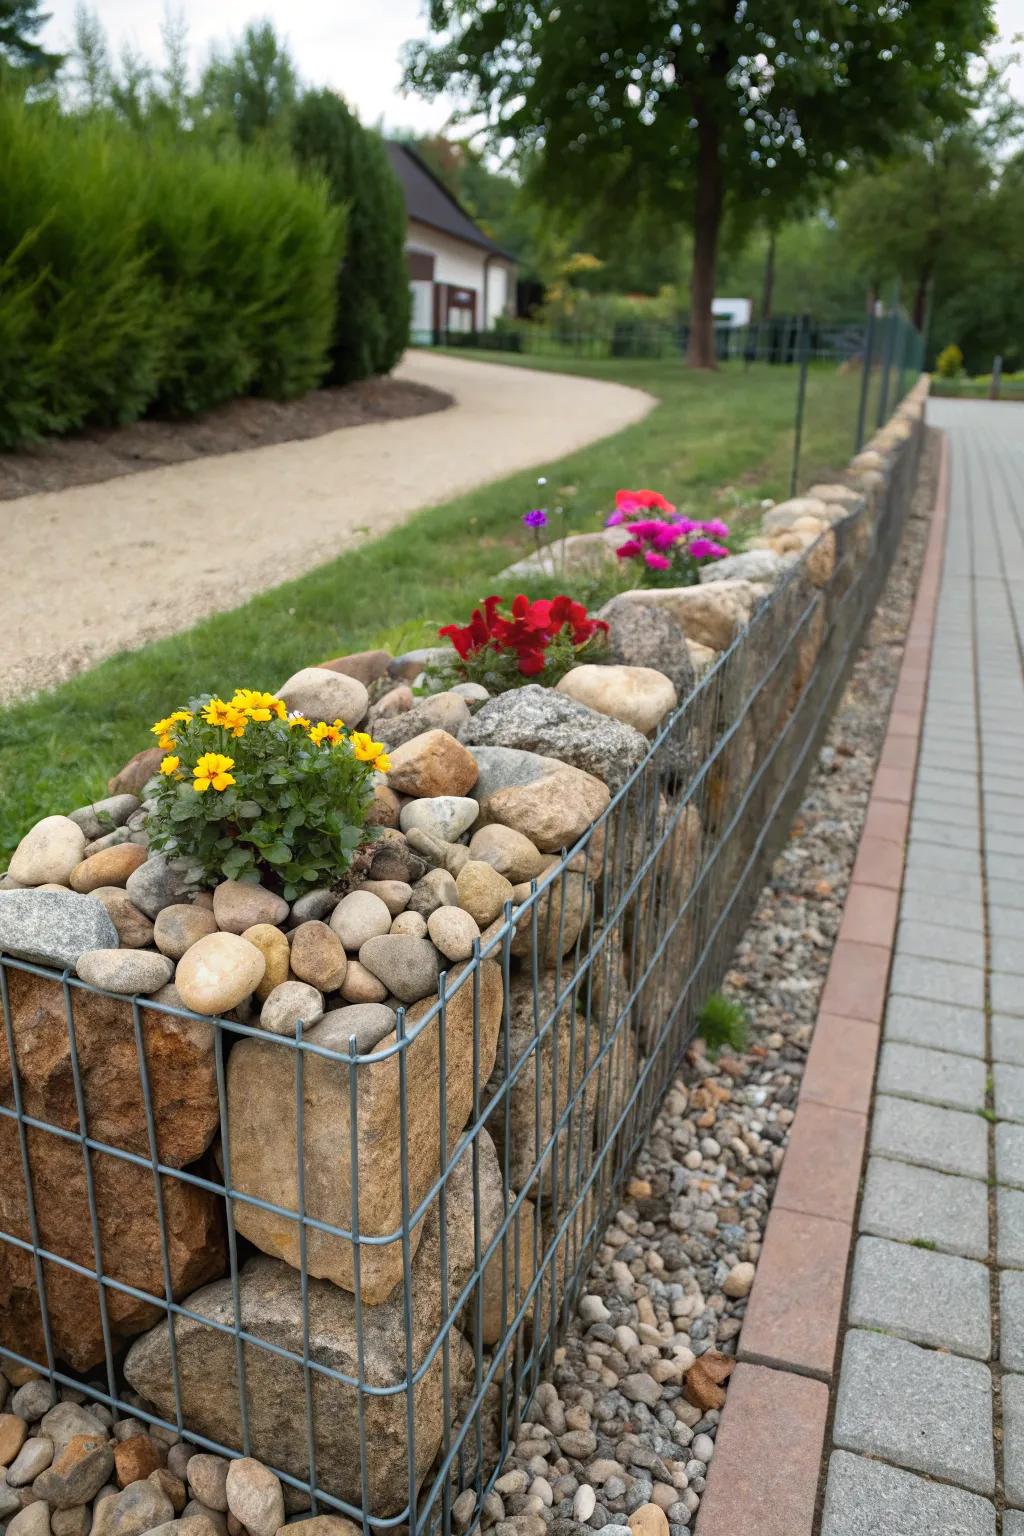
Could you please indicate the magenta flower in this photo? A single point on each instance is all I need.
(615, 518)
(538, 518)
(716, 528)
(657, 562)
(629, 549)
(706, 549)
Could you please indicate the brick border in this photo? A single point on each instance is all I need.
(778, 1398)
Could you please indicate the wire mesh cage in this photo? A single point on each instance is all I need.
(352, 1253)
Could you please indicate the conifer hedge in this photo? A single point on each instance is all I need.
(148, 273)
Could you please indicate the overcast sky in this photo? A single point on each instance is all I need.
(350, 45)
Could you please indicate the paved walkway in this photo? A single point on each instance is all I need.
(148, 555)
(928, 1428)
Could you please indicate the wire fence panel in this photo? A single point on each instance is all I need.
(351, 1256)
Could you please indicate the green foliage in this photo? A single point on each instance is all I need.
(722, 1022)
(949, 362)
(259, 800)
(250, 88)
(20, 53)
(151, 274)
(372, 327)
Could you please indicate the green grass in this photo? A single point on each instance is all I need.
(708, 433)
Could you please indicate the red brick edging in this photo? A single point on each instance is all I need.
(765, 1471)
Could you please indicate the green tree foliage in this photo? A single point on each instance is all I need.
(251, 86)
(174, 278)
(372, 326)
(20, 52)
(627, 104)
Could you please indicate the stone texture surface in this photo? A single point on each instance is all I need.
(1011, 1319)
(945, 1139)
(912, 1204)
(1013, 1442)
(793, 1314)
(431, 764)
(929, 1298)
(638, 696)
(261, 1095)
(923, 1410)
(53, 927)
(932, 1077)
(322, 694)
(862, 1495)
(49, 851)
(542, 721)
(646, 635)
(218, 972)
(712, 616)
(552, 809)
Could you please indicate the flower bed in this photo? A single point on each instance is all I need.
(362, 1020)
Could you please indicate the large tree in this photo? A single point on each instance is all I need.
(20, 50)
(647, 104)
(252, 86)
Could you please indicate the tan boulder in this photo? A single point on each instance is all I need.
(273, 945)
(134, 928)
(713, 614)
(218, 972)
(177, 927)
(554, 921)
(48, 852)
(137, 772)
(111, 867)
(640, 696)
(261, 1101)
(318, 956)
(553, 811)
(325, 695)
(432, 763)
(238, 906)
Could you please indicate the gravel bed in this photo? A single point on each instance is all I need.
(611, 1432)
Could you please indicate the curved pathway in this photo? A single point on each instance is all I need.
(99, 568)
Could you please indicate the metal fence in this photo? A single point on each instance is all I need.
(355, 1259)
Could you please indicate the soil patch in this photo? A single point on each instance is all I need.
(103, 453)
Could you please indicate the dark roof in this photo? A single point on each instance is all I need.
(428, 201)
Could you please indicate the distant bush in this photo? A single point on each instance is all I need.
(147, 274)
(372, 326)
(949, 362)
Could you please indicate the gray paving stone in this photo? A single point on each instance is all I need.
(1009, 1090)
(932, 942)
(946, 1139)
(1007, 1038)
(1011, 1319)
(933, 1077)
(1013, 1447)
(947, 911)
(867, 1498)
(1004, 866)
(1010, 1228)
(943, 882)
(934, 831)
(939, 1026)
(926, 855)
(1013, 1523)
(936, 808)
(1006, 921)
(1007, 993)
(1010, 1154)
(929, 1298)
(1006, 893)
(945, 983)
(914, 1204)
(1007, 954)
(926, 1411)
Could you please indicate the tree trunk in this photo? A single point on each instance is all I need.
(921, 299)
(700, 352)
(768, 283)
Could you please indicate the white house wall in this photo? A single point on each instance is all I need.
(462, 266)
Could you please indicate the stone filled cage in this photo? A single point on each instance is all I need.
(354, 1263)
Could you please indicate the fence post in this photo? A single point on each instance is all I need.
(890, 329)
(801, 395)
(865, 378)
(997, 375)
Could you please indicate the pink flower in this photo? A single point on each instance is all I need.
(706, 549)
(716, 528)
(657, 562)
(629, 549)
(615, 518)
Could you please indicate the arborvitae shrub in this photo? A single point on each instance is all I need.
(372, 327)
(148, 273)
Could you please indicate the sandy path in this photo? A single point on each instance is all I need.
(96, 569)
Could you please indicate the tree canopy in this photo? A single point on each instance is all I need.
(20, 51)
(627, 103)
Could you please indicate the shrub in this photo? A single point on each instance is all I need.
(949, 362)
(372, 326)
(535, 642)
(247, 792)
(722, 1022)
(151, 273)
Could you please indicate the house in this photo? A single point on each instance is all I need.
(460, 280)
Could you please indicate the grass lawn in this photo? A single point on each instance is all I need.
(708, 433)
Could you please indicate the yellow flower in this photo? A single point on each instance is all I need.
(382, 763)
(259, 706)
(170, 765)
(212, 768)
(228, 716)
(332, 734)
(163, 730)
(299, 720)
(184, 715)
(365, 748)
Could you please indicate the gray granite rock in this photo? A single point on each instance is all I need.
(53, 927)
(946, 1139)
(159, 883)
(536, 719)
(864, 1496)
(644, 635)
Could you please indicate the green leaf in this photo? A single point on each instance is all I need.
(248, 808)
(278, 853)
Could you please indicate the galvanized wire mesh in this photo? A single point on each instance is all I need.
(356, 1262)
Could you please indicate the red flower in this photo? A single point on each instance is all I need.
(527, 631)
(646, 501)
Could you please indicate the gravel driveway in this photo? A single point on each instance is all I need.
(100, 568)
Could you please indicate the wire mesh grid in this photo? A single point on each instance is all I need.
(351, 1258)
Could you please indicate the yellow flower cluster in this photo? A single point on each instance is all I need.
(164, 729)
(364, 748)
(212, 770)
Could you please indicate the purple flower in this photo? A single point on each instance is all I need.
(538, 518)
(656, 562)
(615, 518)
(706, 549)
(716, 528)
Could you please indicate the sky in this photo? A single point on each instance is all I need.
(352, 46)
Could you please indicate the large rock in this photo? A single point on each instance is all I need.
(321, 694)
(547, 801)
(270, 1302)
(580, 554)
(53, 927)
(751, 565)
(130, 1245)
(49, 851)
(218, 972)
(789, 514)
(431, 764)
(638, 696)
(536, 719)
(102, 816)
(365, 666)
(554, 921)
(646, 635)
(137, 772)
(262, 1130)
(159, 883)
(712, 615)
